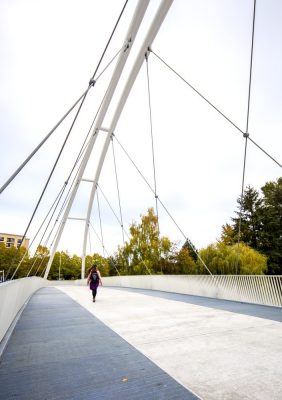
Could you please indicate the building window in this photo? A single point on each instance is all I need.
(10, 240)
(1, 238)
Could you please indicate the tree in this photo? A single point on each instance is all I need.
(146, 251)
(10, 258)
(227, 235)
(271, 237)
(102, 264)
(221, 259)
(251, 210)
(38, 263)
(65, 266)
(185, 263)
(261, 223)
(191, 249)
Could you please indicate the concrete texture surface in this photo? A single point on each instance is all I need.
(219, 351)
(60, 351)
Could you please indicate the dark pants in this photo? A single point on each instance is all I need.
(94, 292)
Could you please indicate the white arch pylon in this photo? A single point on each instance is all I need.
(130, 37)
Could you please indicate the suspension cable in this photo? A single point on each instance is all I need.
(58, 157)
(103, 247)
(246, 135)
(41, 143)
(57, 200)
(117, 185)
(82, 150)
(40, 264)
(241, 207)
(55, 164)
(83, 96)
(91, 83)
(32, 241)
(113, 211)
(195, 90)
(50, 176)
(166, 210)
(264, 151)
(152, 140)
(110, 38)
(251, 69)
(213, 106)
(44, 268)
(59, 196)
(126, 233)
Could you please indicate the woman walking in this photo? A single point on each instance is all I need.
(94, 278)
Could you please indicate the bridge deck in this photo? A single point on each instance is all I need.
(135, 344)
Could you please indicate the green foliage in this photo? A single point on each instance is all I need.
(259, 251)
(221, 259)
(146, 251)
(102, 263)
(261, 223)
(227, 235)
(191, 249)
(271, 236)
(65, 267)
(185, 263)
(10, 258)
(251, 210)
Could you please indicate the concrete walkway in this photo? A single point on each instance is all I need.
(136, 344)
(60, 351)
(217, 349)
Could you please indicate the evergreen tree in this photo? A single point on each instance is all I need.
(191, 249)
(261, 223)
(251, 211)
(271, 238)
(185, 263)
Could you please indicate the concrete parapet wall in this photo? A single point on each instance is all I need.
(13, 295)
(78, 282)
(260, 289)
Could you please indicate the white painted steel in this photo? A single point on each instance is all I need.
(129, 39)
(256, 289)
(152, 32)
(13, 295)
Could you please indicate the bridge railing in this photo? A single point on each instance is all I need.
(13, 295)
(257, 289)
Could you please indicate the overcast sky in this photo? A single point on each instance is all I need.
(48, 52)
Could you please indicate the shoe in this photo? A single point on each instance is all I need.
(93, 300)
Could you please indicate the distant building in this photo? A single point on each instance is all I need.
(13, 240)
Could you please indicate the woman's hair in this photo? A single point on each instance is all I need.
(92, 268)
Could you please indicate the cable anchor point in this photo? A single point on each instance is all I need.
(127, 45)
(92, 82)
(246, 135)
(147, 53)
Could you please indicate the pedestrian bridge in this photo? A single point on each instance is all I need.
(138, 344)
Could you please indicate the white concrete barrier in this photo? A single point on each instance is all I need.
(257, 289)
(13, 295)
(79, 282)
